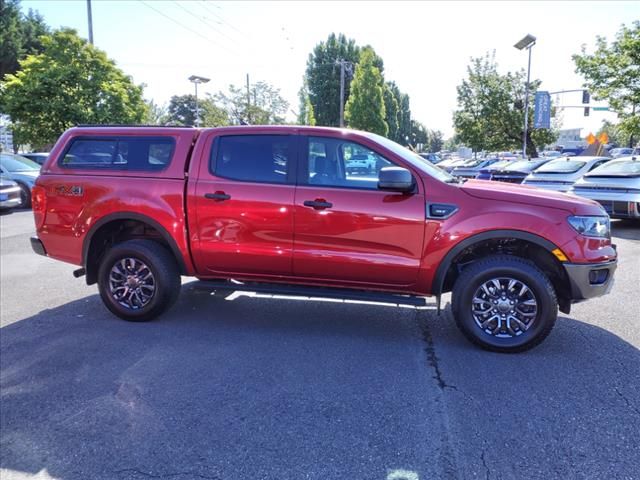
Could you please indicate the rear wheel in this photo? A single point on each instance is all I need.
(138, 280)
(504, 304)
(25, 196)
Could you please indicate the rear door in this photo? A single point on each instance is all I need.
(244, 206)
(348, 231)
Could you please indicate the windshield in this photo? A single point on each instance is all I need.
(16, 163)
(622, 168)
(413, 158)
(562, 165)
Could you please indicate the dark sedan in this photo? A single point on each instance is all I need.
(516, 172)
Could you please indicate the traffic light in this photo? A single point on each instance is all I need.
(586, 111)
(585, 99)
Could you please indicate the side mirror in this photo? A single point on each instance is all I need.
(395, 179)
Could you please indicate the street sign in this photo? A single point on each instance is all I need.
(600, 109)
(591, 139)
(542, 111)
(603, 138)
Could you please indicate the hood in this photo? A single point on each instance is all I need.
(29, 176)
(514, 193)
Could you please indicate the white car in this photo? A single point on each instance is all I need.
(615, 185)
(561, 173)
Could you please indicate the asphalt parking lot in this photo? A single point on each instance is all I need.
(287, 389)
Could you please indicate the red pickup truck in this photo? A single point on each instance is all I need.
(282, 209)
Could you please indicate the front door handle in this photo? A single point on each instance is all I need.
(219, 196)
(318, 204)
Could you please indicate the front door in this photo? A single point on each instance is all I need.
(244, 207)
(347, 231)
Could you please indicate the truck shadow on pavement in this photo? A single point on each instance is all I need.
(256, 388)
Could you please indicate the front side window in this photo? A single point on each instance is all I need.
(253, 158)
(340, 163)
(119, 153)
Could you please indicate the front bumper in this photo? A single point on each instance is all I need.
(590, 280)
(10, 198)
(38, 246)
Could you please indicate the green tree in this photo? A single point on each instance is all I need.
(182, 110)
(392, 110)
(262, 106)
(19, 35)
(323, 77)
(436, 140)
(156, 114)
(616, 136)
(404, 125)
(490, 112)
(70, 82)
(419, 137)
(612, 73)
(365, 108)
(305, 114)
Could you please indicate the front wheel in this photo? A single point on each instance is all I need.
(504, 303)
(138, 280)
(25, 197)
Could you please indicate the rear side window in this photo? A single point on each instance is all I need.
(253, 158)
(119, 153)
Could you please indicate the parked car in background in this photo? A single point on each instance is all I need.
(22, 171)
(360, 163)
(9, 194)
(621, 152)
(486, 172)
(561, 173)
(615, 185)
(471, 168)
(432, 157)
(516, 172)
(550, 154)
(37, 157)
(450, 164)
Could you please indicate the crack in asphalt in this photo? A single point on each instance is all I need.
(165, 475)
(484, 462)
(432, 358)
(629, 404)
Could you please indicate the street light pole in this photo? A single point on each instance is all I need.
(196, 80)
(527, 42)
(90, 21)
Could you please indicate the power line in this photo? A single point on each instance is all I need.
(204, 22)
(182, 25)
(206, 6)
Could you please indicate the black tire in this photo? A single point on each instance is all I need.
(25, 196)
(165, 276)
(470, 282)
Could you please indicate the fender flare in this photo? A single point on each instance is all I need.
(166, 236)
(445, 263)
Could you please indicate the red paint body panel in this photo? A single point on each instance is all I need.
(368, 239)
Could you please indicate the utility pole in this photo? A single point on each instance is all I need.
(341, 61)
(248, 101)
(90, 22)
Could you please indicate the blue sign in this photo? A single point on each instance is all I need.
(542, 111)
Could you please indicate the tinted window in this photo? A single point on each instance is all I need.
(120, 153)
(253, 158)
(339, 163)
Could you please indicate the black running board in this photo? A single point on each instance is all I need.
(313, 292)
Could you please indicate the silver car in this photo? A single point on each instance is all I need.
(9, 194)
(22, 171)
(615, 185)
(561, 173)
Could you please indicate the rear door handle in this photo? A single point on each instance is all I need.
(318, 204)
(219, 196)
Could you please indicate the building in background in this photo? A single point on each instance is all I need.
(569, 139)
(6, 136)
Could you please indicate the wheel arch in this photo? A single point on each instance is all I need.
(446, 266)
(108, 223)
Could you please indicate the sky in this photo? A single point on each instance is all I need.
(426, 46)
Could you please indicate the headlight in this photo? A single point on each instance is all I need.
(591, 226)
